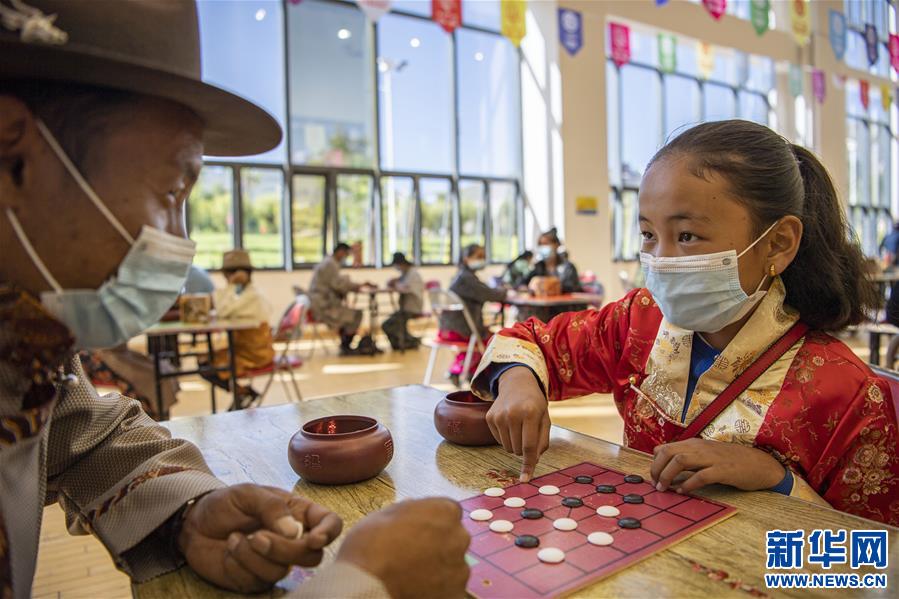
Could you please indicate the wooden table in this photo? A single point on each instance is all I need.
(176, 328)
(549, 306)
(251, 445)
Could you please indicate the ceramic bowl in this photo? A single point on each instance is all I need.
(338, 450)
(461, 418)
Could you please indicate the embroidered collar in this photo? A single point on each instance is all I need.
(33, 344)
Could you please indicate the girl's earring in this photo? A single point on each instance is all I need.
(772, 271)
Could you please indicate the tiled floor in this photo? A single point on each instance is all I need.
(79, 567)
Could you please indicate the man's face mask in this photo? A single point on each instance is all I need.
(147, 282)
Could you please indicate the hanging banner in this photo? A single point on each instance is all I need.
(513, 25)
(374, 9)
(571, 30)
(894, 51)
(886, 96)
(796, 76)
(621, 43)
(661, 2)
(667, 53)
(837, 22)
(716, 8)
(871, 44)
(864, 93)
(706, 59)
(759, 15)
(819, 85)
(800, 20)
(447, 14)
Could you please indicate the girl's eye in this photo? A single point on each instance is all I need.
(686, 237)
(647, 236)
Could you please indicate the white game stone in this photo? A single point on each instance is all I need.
(608, 511)
(565, 524)
(548, 490)
(501, 526)
(495, 492)
(481, 515)
(551, 555)
(600, 538)
(514, 502)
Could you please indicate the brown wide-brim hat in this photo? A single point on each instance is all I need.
(236, 260)
(149, 47)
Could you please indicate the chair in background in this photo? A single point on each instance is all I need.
(289, 331)
(447, 301)
(310, 326)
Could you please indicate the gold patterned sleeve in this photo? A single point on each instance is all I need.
(572, 355)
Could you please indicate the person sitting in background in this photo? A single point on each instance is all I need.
(411, 288)
(554, 263)
(517, 270)
(198, 281)
(474, 293)
(327, 293)
(240, 300)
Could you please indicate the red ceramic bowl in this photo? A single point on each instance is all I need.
(338, 450)
(461, 418)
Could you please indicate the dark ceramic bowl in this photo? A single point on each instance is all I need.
(338, 450)
(461, 418)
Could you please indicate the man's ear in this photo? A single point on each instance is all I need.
(18, 143)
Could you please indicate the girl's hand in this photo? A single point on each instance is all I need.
(519, 418)
(699, 462)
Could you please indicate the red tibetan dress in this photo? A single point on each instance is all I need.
(819, 409)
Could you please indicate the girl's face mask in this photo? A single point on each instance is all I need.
(701, 293)
(147, 282)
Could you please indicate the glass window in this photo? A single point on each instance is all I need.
(503, 221)
(880, 162)
(436, 220)
(261, 193)
(644, 47)
(682, 108)
(489, 105)
(481, 13)
(641, 118)
(308, 212)
(760, 77)
(472, 212)
(397, 217)
(210, 220)
(687, 57)
(719, 102)
(625, 225)
(416, 95)
(726, 68)
(858, 144)
(331, 85)
(753, 107)
(613, 118)
(354, 213)
(243, 50)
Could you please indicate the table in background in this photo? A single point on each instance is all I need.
(177, 328)
(373, 306)
(545, 308)
(251, 445)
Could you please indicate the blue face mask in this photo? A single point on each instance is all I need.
(148, 280)
(544, 251)
(701, 293)
(477, 264)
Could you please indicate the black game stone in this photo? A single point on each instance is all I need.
(633, 498)
(633, 478)
(605, 488)
(584, 480)
(629, 523)
(527, 541)
(531, 513)
(573, 502)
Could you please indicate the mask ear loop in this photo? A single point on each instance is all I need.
(82, 183)
(32, 253)
(752, 245)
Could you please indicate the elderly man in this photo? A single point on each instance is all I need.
(328, 291)
(104, 119)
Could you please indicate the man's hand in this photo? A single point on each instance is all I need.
(416, 548)
(519, 418)
(696, 463)
(244, 537)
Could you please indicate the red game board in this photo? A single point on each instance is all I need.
(499, 568)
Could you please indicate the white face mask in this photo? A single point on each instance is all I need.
(544, 252)
(147, 282)
(477, 264)
(701, 293)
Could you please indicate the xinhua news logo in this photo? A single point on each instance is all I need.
(786, 550)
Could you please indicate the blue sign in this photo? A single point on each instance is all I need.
(871, 43)
(838, 33)
(827, 547)
(784, 548)
(869, 548)
(571, 32)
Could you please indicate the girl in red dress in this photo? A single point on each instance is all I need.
(743, 238)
